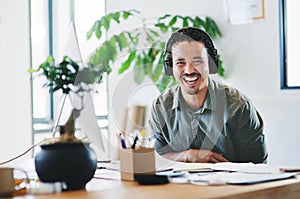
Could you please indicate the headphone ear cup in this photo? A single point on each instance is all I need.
(213, 62)
(167, 67)
(168, 64)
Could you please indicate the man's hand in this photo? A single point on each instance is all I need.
(195, 155)
(204, 156)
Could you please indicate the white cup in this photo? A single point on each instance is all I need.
(7, 181)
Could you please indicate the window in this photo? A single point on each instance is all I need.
(50, 22)
(289, 43)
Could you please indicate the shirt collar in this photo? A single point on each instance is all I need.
(176, 97)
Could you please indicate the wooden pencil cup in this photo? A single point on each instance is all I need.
(136, 161)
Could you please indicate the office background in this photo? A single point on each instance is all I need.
(250, 53)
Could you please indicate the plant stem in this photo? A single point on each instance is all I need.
(59, 115)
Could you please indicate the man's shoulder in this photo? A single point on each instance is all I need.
(167, 96)
(233, 95)
(236, 98)
(236, 95)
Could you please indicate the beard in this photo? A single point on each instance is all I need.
(191, 83)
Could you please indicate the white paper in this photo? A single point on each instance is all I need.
(245, 167)
(242, 12)
(238, 178)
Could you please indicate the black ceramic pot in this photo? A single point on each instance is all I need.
(72, 163)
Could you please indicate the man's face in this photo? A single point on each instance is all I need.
(190, 66)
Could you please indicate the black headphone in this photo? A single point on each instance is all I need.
(190, 34)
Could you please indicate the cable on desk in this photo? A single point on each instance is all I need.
(18, 156)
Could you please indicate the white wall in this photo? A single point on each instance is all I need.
(251, 58)
(15, 107)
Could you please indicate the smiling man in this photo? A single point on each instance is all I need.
(200, 119)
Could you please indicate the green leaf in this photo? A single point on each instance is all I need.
(97, 29)
(162, 27)
(106, 22)
(214, 27)
(98, 33)
(174, 29)
(198, 22)
(157, 66)
(158, 69)
(122, 41)
(50, 59)
(31, 70)
(163, 17)
(156, 34)
(91, 31)
(128, 62)
(112, 50)
(126, 14)
(173, 21)
(189, 20)
(116, 17)
(162, 83)
(221, 70)
(148, 68)
(185, 22)
(139, 72)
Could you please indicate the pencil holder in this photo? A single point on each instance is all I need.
(136, 161)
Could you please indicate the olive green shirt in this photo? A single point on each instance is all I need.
(227, 124)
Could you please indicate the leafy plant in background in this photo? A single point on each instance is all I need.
(143, 46)
(68, 76)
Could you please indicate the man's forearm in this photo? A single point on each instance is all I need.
(176, 156)
(196, 155)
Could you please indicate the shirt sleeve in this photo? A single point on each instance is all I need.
(158, 126)
(248, 137)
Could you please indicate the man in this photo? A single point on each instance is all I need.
(201, 120)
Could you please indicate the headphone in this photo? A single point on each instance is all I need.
(190, 34)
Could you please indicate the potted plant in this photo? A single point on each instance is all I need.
(66, 158)
(144, 46)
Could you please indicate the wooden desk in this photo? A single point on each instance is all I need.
(101, 188)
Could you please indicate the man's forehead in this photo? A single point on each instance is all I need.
(188, 48)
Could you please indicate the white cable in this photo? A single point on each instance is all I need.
(18, 156)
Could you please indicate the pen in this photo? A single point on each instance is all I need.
(122, 141)
(164, 170)
(134, 142)
(151, 142)
(123, 144)
(108, 168)
(289, 169)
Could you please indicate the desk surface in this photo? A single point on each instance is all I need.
(103, 188)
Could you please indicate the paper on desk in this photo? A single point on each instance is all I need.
(107, 174)
(245, 167)
(163, 163)
(238, 178)
(114, 165)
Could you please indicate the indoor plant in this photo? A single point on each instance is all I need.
(144, 45)
(66, 158)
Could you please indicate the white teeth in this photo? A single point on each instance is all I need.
(191, 78)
